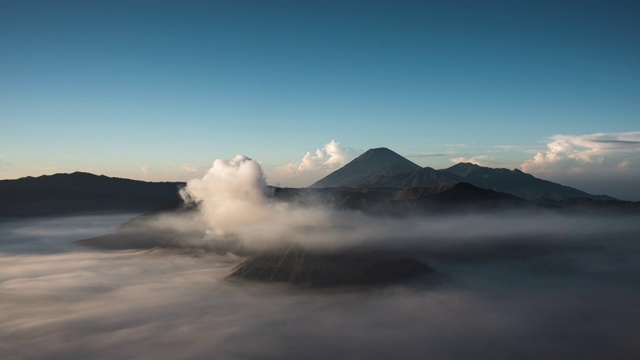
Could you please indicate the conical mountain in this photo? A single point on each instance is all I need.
(367, 168)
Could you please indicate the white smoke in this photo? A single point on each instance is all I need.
(233, 197)
(231, 193)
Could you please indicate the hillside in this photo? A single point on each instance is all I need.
(80, 192)
(517, 183)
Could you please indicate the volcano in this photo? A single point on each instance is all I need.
(367, 168)
(297, 266)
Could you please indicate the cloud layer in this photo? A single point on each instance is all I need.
(163, 304)
(601, 162)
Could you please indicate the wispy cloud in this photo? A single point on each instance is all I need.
(456, 145)
(520, 148)
(616, 144)
(425, 155)
(189, 168)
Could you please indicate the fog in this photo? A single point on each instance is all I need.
(573, 295)
(509, 284)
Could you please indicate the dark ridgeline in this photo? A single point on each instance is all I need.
(82, 193)
(516, 182)
(458, 198)
(383, 168)
(369, 183)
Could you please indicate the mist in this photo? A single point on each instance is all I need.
(164, 304)
(510, 284)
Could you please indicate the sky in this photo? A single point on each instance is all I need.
(156, 90)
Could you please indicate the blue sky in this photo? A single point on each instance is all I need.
(158, 89)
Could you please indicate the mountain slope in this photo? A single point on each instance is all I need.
(80, 193)
(366, 168)
(423, 177)
(516, 182)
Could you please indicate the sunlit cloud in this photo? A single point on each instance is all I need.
(603, 163)
(314, 165)
(592, 152)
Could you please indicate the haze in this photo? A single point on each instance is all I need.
(569, 295)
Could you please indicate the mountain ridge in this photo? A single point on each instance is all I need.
(81, 192)
(517, 182)
(384, 168)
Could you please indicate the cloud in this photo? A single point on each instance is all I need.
(601, 151)
(425, 155)
(601, 162)
(235, 203)
(189, 168)
(233, 198)
(482, 160)
(314, 165)
(520, 148)
(167, 304)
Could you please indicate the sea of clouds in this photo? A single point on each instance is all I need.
(516, 285)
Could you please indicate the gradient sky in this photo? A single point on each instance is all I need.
(156, 90)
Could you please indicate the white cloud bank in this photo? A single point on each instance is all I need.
(601, 162)
(166, 304)
(314, 165)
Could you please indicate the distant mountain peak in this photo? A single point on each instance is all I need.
(383, 154)
(367, 167)
(463, 168)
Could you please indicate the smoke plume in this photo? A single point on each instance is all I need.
(233, 197)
